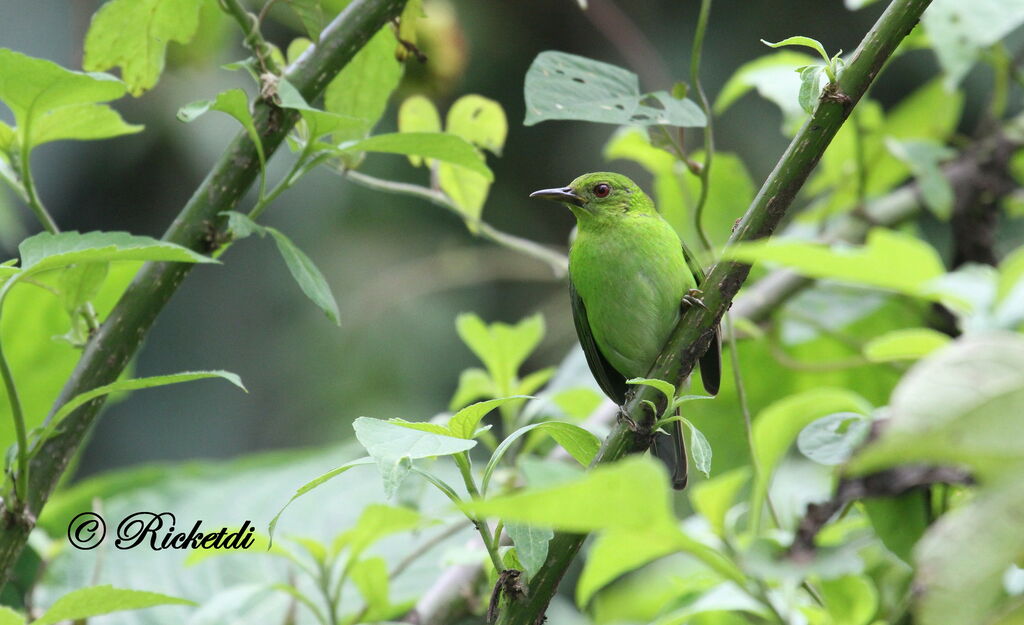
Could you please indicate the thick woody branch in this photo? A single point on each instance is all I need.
(692, 335)
(197, 227)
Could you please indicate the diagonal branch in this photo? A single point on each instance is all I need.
(198, 226)
(692, 335)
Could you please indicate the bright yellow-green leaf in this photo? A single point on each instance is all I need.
(376, 72)
(774, 78)
(713, 498)
(51, 103)
(134, 34)
(10, 617)
(889, 260)
(235, 103)
(464, 422)
(418, 114)
(467, 189)
(376, 522)
(480, 121)
(1011, 273)
(501, 347)
(631, 495)
(849, 600)
(437, 145)
(618, 551)
(96, 600)
(371, 579)
(908, 344)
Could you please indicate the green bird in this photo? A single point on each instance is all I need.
(629, 276)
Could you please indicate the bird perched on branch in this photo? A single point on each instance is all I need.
(629, 275)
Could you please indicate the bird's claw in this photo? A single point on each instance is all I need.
(692, 298)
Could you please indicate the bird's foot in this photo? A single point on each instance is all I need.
(692, 298)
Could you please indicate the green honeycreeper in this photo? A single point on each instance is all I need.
(629, 274)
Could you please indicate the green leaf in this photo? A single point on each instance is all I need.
(10, 617)
(961, 32)
(832, 439)
(900, 521)
(308, 277)
(666, 388)
(371, 579)
(616, 552)
(305, 273)
(376, 522)
(853, 5)
(889, 260)
(850, 600)
(418, 114)
(311, 15)
(235, 103)
(798, 40)
(578, 403)
(97, 600)
(631, 494)
(134, 35)
(423, 426)
(566, 86)
(393, 446)
(51, 103)
(962, 558)
(80, 283)
(467, 189)
(46, 251)
(464, 422)
(501, 347)
(777, 426)
(376, 71)
(474, 384)
(714, 498)
(41, 366)
(440, 146)
(810, 87)
(580, 443)
(923, 157)
(308, 486)
(957, 407)
(135, 384)
(906, 344)
(700, 449)
(773, 77)
(480, 121)
(531, 545)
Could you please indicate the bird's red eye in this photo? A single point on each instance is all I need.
(602, 190)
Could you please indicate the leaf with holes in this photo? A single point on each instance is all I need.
(566, 86)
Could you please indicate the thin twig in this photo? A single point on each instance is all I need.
(557, 261)
(709, 130)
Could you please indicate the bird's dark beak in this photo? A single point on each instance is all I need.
(565, 194)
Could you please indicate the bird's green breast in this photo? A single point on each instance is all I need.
(631, 275)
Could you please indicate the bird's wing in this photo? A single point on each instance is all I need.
(711, 361)
(611, 381)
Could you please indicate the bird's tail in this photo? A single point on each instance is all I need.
(671, 449)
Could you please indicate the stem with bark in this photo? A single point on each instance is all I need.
(693, 334)
(198, 226)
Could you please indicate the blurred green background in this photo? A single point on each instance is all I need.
(401, 269)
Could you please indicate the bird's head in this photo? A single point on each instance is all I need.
(600, 194)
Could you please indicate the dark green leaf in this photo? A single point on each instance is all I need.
(309, 278)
